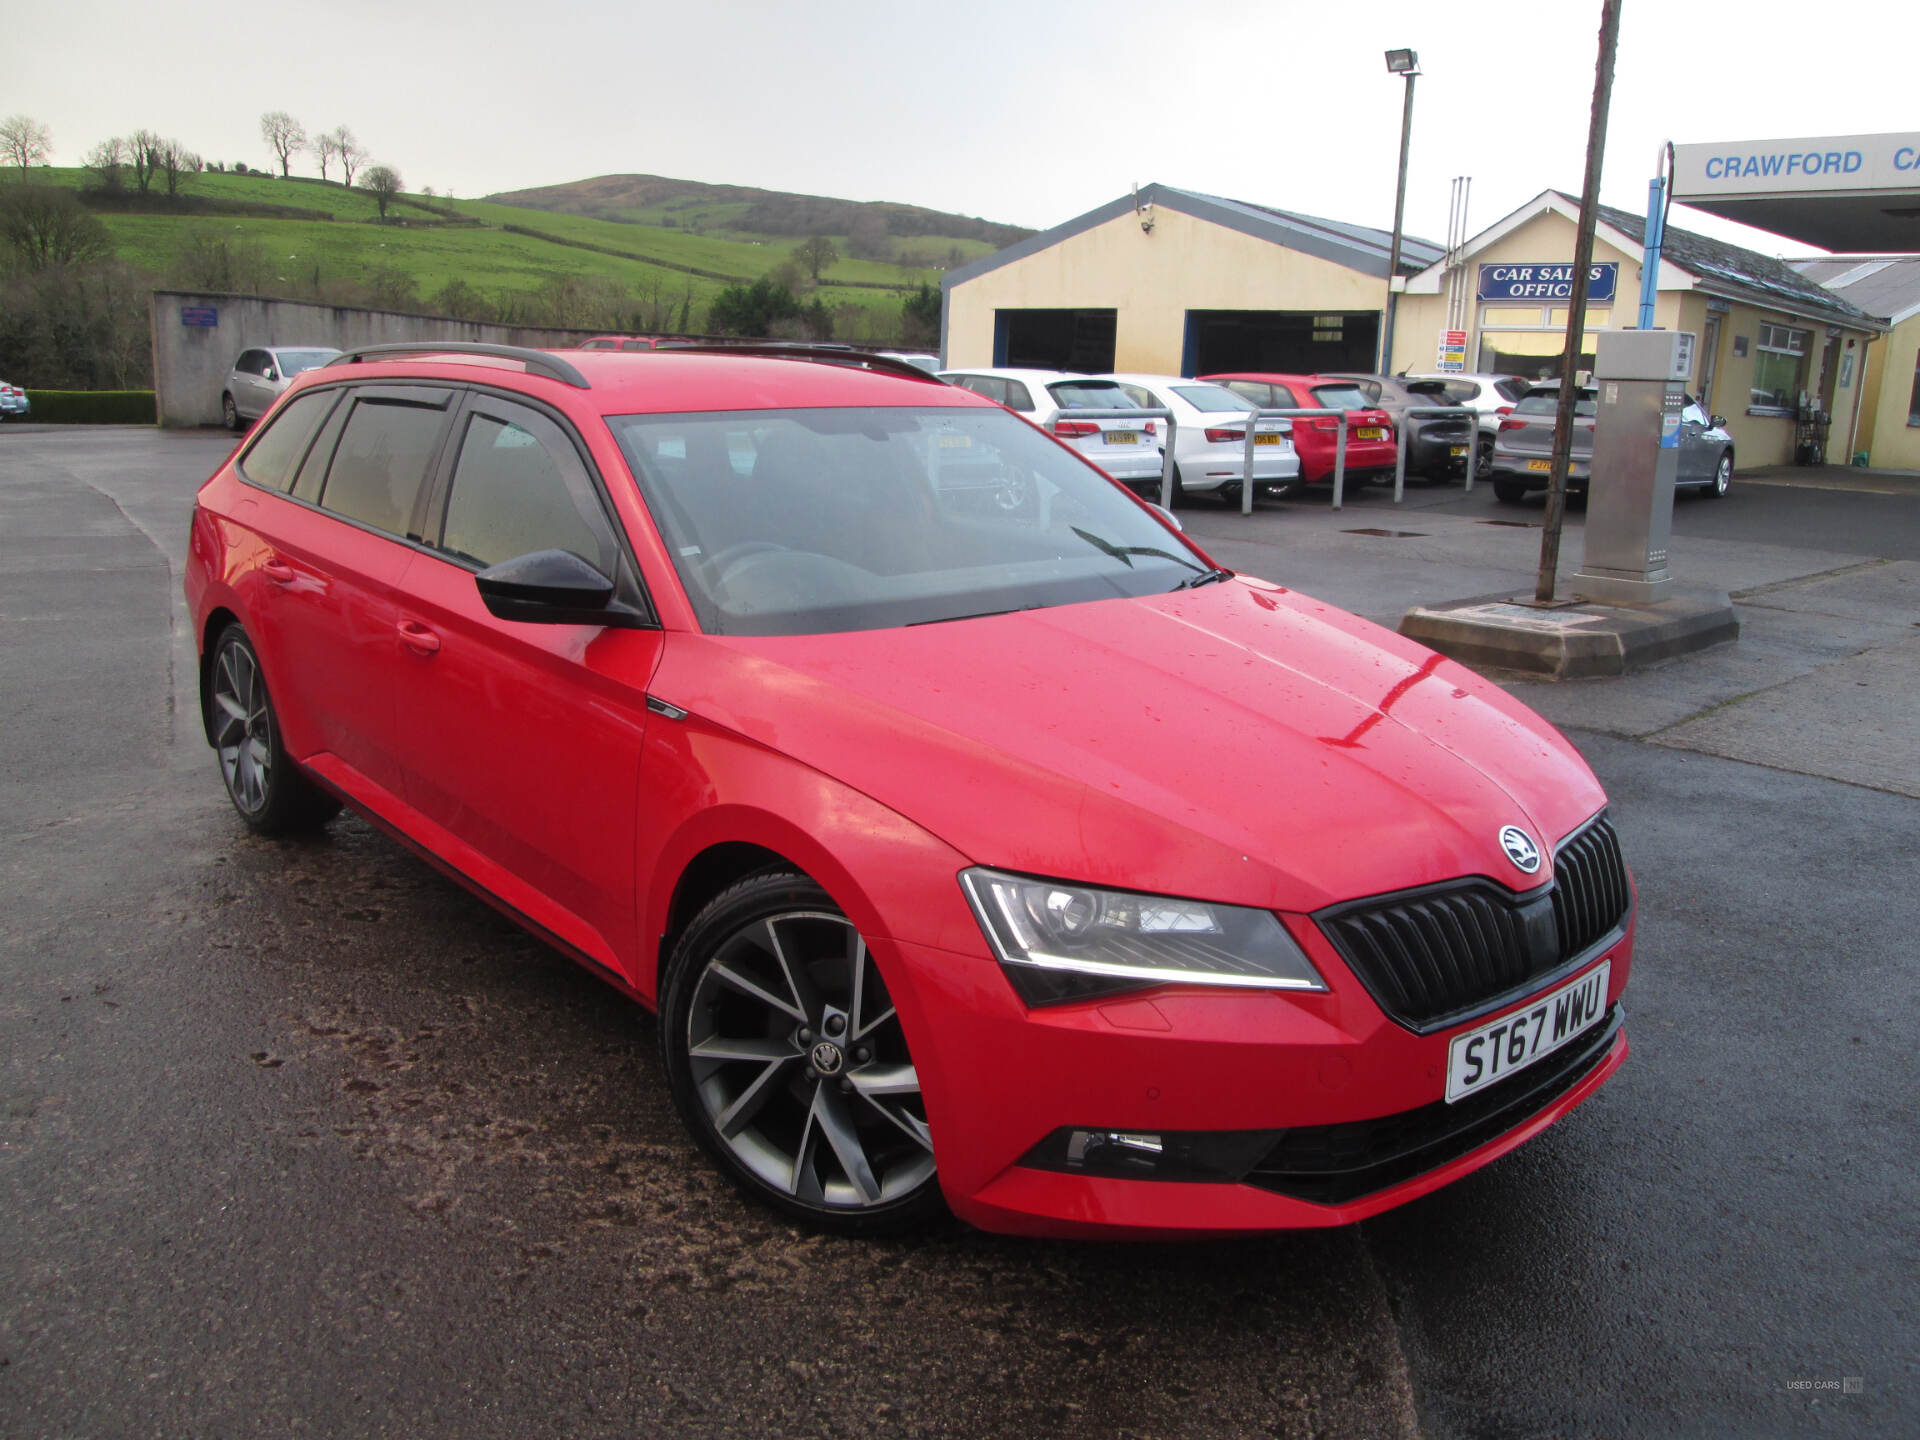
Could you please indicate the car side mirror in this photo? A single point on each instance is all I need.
(1719, 422)
(550, 587)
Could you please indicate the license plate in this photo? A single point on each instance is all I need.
(956, 442)
(1494, 1051)
(1539, 465)
(1369, 432)
(1457, 451)
(1123, 437)
(1270, 439)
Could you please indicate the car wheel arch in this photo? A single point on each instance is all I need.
(218, 619)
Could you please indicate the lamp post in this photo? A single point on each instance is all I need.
(1407, 63)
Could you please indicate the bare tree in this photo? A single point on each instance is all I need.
(143, 153)
(108, 162)
(324, 147)
(350, 152)
(283, 135)
(383, 182)
(175, 162)
(24, 141)
(816, 254)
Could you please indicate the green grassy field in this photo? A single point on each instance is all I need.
(419, 241)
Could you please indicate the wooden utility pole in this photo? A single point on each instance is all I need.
(1577, 309)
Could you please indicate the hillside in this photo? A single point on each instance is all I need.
(310, 239)
(744, 212)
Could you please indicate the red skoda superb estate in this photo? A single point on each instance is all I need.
(972, 833)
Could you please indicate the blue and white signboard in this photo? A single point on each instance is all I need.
(200, 315)
(1506, 281)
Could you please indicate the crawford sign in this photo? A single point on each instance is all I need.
(1834, 163)
(1545, 282)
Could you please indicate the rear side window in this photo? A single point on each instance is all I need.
(636, 344)
(598, 345)
(1210, 397)
(1017, 396)
(380, 463)
(1255, 391)
(991, 386)
(1510, 389)
(519, 486)
(272, 457)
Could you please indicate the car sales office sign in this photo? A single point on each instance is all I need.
(1507, 281)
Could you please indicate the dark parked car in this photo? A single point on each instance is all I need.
(1523, 449)
(1441, 447)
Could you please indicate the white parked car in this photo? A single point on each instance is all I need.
(1210, 437)
(1494, 396)
(916, 358)
(1126, 450)
(259, 376)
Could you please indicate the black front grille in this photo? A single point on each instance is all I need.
(1433, 957)
(1332, 1164)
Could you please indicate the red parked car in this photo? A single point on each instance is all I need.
(972, 833)
(1371, 449)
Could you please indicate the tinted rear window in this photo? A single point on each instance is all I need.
(1089, 395)
(1547, 403)
(1339, 397)
(1510, 389)
(1210, 397)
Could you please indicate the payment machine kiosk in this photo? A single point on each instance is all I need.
(1639, 379)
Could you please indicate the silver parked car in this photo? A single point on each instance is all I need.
(259, 375)
(1523, 448)
(14, 404)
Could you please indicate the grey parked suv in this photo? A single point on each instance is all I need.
(259, 375)
(1523, 449)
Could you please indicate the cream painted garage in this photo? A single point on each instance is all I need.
(1171, 281)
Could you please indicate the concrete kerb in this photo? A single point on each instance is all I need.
(1576, 639)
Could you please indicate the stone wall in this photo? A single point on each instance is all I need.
(191, 361)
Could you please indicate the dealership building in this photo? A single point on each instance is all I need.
(1178, 282)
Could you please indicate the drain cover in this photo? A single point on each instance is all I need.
(1389, 534)
(1515, 524)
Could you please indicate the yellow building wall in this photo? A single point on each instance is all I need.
(1152, 280)
(1893, 444)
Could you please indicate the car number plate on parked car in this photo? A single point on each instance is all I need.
(1514, 1041)
(1369, 432)
(1456, 451)
(1266, 438)
(1123, 437)
(1539, 465)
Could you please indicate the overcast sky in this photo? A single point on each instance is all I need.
(1028, 113)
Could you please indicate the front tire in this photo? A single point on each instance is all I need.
(230, 413)
(1722, 478)
(786, 1059)
(1509, 492)
(268, 790)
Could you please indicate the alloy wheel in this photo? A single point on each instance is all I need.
(243, 728)
(799, 1065)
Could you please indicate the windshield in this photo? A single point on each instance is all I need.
(808, 522)
(1340, 397)
(293, 362)
(1211, 398)
(1547, 401)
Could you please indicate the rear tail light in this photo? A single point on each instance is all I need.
(1151, 428)
(1324, 422)
(1503, 410)
(1511, 423)
(1225, 437)
(1075, 429)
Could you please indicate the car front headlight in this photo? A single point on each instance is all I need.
(1059, 941)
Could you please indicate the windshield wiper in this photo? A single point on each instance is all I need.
(1205, 577)
(1122, 552)
(976, 615)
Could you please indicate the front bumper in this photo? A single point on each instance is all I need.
(1330, 1069)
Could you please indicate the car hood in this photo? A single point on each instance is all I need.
(1238, 742)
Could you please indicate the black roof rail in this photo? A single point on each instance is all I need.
(538, 362)
(830, 354)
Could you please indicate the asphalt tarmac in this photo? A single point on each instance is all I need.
(299, 1139)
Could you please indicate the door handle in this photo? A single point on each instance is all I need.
(278, 571)
(418, 638)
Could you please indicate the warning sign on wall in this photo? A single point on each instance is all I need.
(1453, 350)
